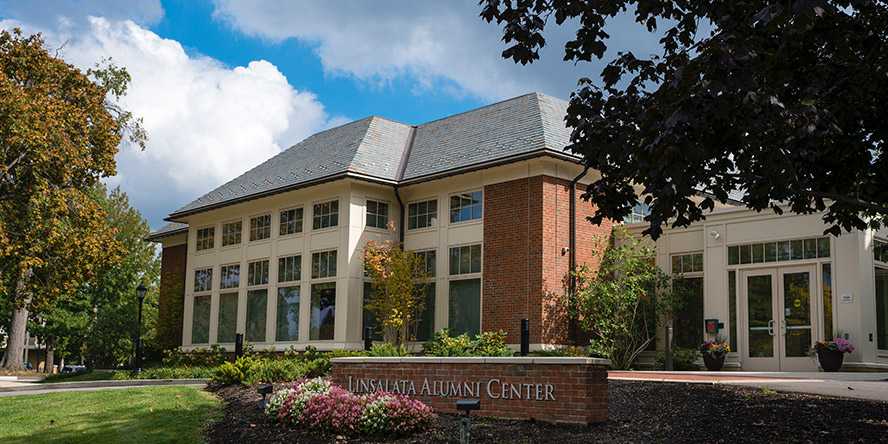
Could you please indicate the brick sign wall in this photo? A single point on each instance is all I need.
(572, 390)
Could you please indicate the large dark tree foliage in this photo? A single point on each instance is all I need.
(785, 101)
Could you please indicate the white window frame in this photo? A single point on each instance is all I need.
(250, 230)
(298, 261)
(197, 239)
(367, 213)
(194, 289)
(431, 226)
(221, 277)
(469, 221)
(470, 275)
(319, 278)
(301, 224)
(338, 214)
(252, 286)
(230, 222)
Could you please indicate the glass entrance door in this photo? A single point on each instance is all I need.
(778, 321)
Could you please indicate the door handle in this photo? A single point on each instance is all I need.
(783, 327)
(771, 327)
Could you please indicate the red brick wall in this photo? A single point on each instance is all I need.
(577, 391)
(172, 296)
(526, 226)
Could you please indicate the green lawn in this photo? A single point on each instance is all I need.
(138, 415)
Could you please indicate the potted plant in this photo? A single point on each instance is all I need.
(714, 352)
(831, 354)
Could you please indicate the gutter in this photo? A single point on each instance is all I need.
(572, 247)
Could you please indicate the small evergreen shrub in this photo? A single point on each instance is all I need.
(683, 359)
(488, 343)
(385, 349)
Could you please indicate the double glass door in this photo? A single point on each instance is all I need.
(778, 318)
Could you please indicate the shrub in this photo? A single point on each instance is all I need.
(199, 357)
(683, 359)
(484, 344)
(385, 349)
(320, 405)
(275, 370)
(166, 373)
(569, 351)
(237, 372)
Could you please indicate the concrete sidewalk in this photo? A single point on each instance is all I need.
(30, 388)
(870, 386)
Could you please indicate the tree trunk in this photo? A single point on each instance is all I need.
(15, 347)
(50, 355)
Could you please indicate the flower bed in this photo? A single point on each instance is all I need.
(320, 405)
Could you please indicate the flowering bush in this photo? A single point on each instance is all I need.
(838, 344)
(320, 405)
(715, 346)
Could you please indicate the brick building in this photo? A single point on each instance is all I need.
(483, 195)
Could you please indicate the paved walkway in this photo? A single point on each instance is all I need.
(872, 386)
(26, 388)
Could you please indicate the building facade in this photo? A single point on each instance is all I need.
(775, 284)
(483, 196)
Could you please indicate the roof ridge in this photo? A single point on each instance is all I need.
(477, 109)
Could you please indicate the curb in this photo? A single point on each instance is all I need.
(104, 384)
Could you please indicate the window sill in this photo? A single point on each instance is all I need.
(325, 230)
(422, 230)
(230, 247)
(467, 222)
(289, 236)
(260, 241)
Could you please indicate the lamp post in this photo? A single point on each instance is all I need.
(137, 362)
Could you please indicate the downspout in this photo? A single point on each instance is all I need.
(402, 226)
(572, 250)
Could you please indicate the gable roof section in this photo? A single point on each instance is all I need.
(379, 149)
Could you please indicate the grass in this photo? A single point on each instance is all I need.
(137, 415)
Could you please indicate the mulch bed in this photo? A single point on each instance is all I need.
(639, 412)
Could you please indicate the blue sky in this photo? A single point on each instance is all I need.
(223, 85)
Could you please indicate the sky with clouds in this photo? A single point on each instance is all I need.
(223, 85)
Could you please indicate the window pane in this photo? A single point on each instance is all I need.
(827, 302)
(676, 264)
(203, 279)
(758, 253)
(745, 254)
(698, 262)
(231, 233)
(733, 255)
(881, 308)
(465, 307)
(369, 318)
(323, 311)
(810, 248)
(257, 301)
(823, 247)
(784, 251)
(200, 320)
(798, 249)
(454, 260)
(227, 318)
(770, 252)
(465, 259)
(688, 321)
(230, 276)
(287, 325)
(425, 326)
(732, 308)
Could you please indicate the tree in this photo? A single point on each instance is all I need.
(59, 132)
(623, 303)
(398, 298)
(782, 100)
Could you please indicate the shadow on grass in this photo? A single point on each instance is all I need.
(144, 415)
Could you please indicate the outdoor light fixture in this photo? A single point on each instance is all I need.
(466, 405)
(264, 390)
(137, 361)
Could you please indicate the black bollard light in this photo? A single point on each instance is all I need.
(466, 405)
(264, 390)
(525, 337)
(368, 338)
(238, 345)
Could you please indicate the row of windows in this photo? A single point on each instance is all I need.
(289, 270)
(464, 259)
(880, 251)
(326, 214)
(811, 248)
(687, 263)
(464, 313)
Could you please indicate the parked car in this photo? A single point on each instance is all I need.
(73, 368)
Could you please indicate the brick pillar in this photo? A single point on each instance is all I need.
(172, 296)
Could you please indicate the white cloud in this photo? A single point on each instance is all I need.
(436, 44)
(206, 122)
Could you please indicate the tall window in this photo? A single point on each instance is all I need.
(203, 279)
(369, 319)
(465, 206)
(639, 212)
(291, 221)
(325, 215)
(257, 273)
(323, 311)
(323, 264)
(464, 307)
(377, 214)
(732, 308)
(422, 214)
(231, 233)
(205, 238)
(880, 253)
(200, 320)
(227, 317)
(287, 325)
(425, 325)
(230, 276)
(260, 227)
(826, 275)
(289, 268)
(465, 259)
(257, 301)
(688, 321)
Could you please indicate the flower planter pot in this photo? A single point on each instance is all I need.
(830, 360)
(714, 362)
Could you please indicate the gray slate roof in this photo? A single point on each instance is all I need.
(376, 147)
(167, 230)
